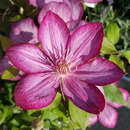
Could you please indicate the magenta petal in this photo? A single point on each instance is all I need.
(73, 25)
(92, 120)
(83, 95)
(24, 31)
(99, 72)
(85, 42)
(61, 9)
(53, 35)
(108, 117)
(36, 90)
(92, 1)
(76, 8)
(41, 3)
(4, 64)
(28, 58)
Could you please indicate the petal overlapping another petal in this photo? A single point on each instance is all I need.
(35, 91)
(28, 58)
(108, 117)
(60, 8)
(53, 36)
(24, 31)
(83, 95)
(4, 64)
(99, 71)
(76, 7)
(41, 3)
(84, 43)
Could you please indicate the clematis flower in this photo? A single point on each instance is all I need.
(64, 61)
(68, 10)
(91, 3)
(109, 116)
(22, 31)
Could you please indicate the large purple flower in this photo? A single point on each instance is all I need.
(64, 59)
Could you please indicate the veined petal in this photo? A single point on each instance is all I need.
(92, 1)
(76, 8)
(4, 64)
(73, 25)
(84, 43)
(28, 58)
(24, 31)
(60, 8)
(41, 3)
(35, 91)
(83, 95)
(99, 72)
(108, 117)
(53, 36)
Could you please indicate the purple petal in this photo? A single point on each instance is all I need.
(61, 9)
(36, 90)
(24, 31)
(83, 95)
(85, 43)
(108, 117)
(92, 120)
(99, 72)
(73, 25)
(28, 58)
(41, 3)
(53, 35)
(76, 8)
(92, 1)
(125, 93)
(4, 64)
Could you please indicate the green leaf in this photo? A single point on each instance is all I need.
(107, 47)
(5, 42)
(118, 61)
(113, 93)
(126, 54)
(78, 116)
(55, 103)
(15, 18)
(113, 32)
(11, 72)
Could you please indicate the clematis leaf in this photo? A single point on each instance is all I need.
(113, 33)
(11, 72)
(118, 61)
(126, 54)
(113, 94)
(5, 42)
(107, 47)
(79, 117)
(55, 103)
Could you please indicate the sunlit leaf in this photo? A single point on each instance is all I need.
(113, 93)
(78, 116)
(126, 54)
(11, 72)
(118, 61)
(5, 42)
(113, 32)
(107, 47)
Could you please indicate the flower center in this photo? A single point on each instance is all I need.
(62, 68)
